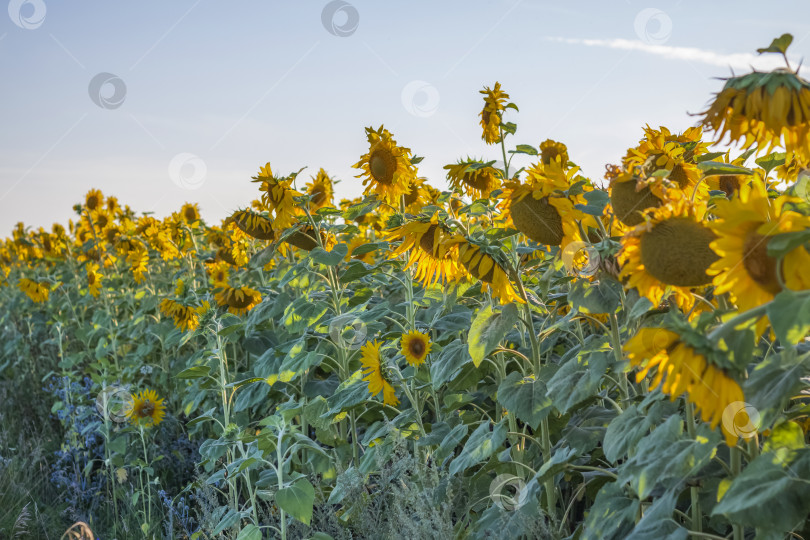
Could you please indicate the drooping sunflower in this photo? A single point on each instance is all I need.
(486, 269)
(744, 269)
(494, 105)
(764, 109)
(253, 224)
(372, 369)
(551, 151)
(387, 168)
(629, 198)
(94, 199)
(185, 317)
(279, 195)
(681, 369)
(35, 290)
(320, 190)
(669, 253)
(239, 300)
(146, 409)
(436, 259)
(415, 347)
(475, 179)
(93, 279)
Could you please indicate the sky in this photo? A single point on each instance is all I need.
(165, 102)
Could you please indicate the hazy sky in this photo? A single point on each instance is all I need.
(163, 102)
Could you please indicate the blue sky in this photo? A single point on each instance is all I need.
(225, 87)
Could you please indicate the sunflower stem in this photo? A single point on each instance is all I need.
(697, 516)
(736, 467)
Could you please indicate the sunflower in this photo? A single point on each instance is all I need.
(355, 243)
(629, 198)
(320, 190)
(553, 151)
(279, 195)
(486, 269)
(679, 369)
(185, 317)
(415, 347)
(540, 214)
(474, 178)
(239, 300)
(138, 259)
(764, 109)
(372, 369)
(190, 213)
(435, 259)
(94, 199)
(419, 195)
(146, 409)
(744, 269)
(669, 253)
(253, 224)
(387, 168)
(35, 290)
(93, 279)
(494, 106)
(218, 272)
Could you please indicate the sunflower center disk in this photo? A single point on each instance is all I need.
(759, 265)
(382, 165)
(426, 241)
(628, 203)
(677, 252)
(417, 348)
(538, 220)
(147, 409)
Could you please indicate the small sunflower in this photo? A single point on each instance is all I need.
(239, 300)
(436, 261)
(372, 369)
(669, 253)
(486, 269)
(279, 195)
(474, 178)
(218, 272)
(253, 224)
(320, 190)
(419, 195)
(387, 168)
(35, 290)
(494, 106)
(553, 151)
(679, 368)
(415, 347)
(138, 259)
(94, 199)
(190, 213)
(93, 279)
(744, 269)
(146, 409)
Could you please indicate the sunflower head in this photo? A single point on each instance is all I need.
(553, 151)
(320, 190)
(387, 168)
(474, 178)
(94, 199)
(146, 409)
(253, 224)
(239, 300)
(415, 347)
(371, 360)
(494, 105)
(190, 213)
(487, 270)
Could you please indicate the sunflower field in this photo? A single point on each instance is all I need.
(531, 354)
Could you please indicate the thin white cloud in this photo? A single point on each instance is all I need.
(736, 61)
